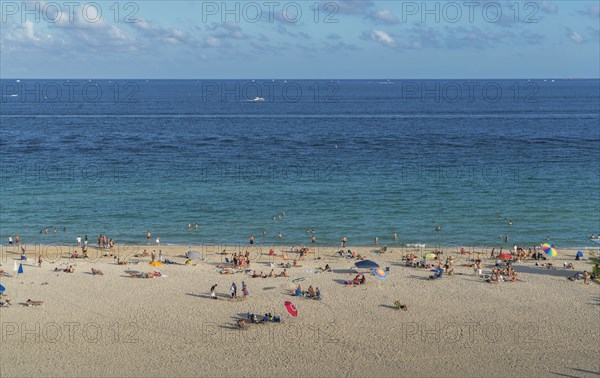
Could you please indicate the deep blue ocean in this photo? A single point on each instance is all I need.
(357, 158)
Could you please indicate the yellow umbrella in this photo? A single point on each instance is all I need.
(430, 256)
(156, 263)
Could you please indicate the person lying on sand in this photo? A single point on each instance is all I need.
(569, 265)
(97, 272)
(69, 269)
(3, 273)
(284, 256)
(241, 323)
(142, 275)
(399, 306)
(5, 303)
(34, 303)
(121, 262)
(284, 273)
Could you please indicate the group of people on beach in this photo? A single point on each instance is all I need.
(310, 293)
(105, 242)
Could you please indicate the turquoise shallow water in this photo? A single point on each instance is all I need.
(355, 158)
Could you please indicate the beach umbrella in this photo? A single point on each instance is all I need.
(291, 308)
(550, 250)
(505, 256)
(156, 263)
(579, 254)
(430, 256)
(2, 288)
(193, 255)
(379, 273)
(366, 264)
(20, 271)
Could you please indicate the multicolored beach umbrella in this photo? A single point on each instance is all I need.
(291, 308)
(550, 250)
(380, 273)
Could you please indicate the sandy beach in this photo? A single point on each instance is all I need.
(461, 325)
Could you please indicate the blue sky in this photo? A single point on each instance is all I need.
(301, 39)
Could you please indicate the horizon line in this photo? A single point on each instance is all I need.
(332, 79)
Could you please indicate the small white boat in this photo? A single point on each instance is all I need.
(258, 99)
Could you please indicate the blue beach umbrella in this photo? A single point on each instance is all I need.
(366, 264)
(2, 288)
(20, 271)
(579, 254)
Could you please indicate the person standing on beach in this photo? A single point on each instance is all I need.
(148, 235)
(78, 241)
(344, 241)
(233, 290)
(213, 293)
(244, 289)
(251, 239)
(153, 255)
(85, 240)
(17, 239)
(10, 240)
(376, 240)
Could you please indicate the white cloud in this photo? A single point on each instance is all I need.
(575, 37)
(383, 16)
(380, 36)
(20, 36)
(211, 41)
(175, 36)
